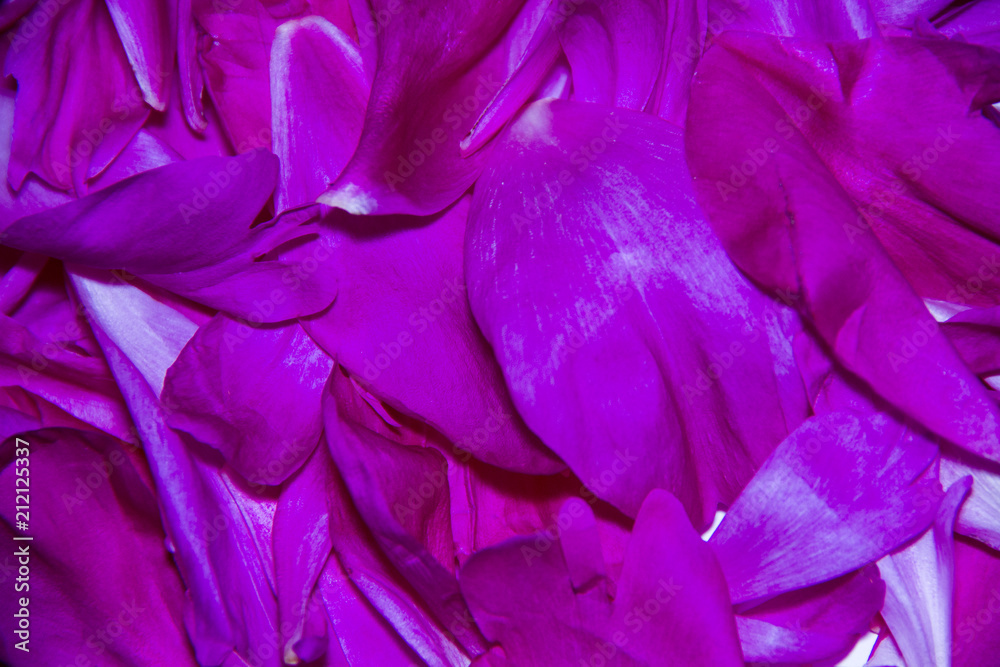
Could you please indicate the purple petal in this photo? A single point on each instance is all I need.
(547, 601)
(211, 522)
(807, 19)
(252, 393)
(401, 323)
(146, 31)
(402, 493)
(614, 50)
(624, 334)
(818, 623)
(116, 227)
(793, 227)
(438, 67)
(318, 99)
(814, 511)
(94, 493)
(919, 587)
(68, 124)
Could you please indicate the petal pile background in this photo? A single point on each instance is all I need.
(499, 332)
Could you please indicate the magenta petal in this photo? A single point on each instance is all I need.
(807, 19)
(252, 393)
(814, 511)
(401, 324)
(919, 587)
(116, 228)
(687, 28)
(793, 226)
(65, 130)
(211, 522)
(302, 546)
(146, 31)
(318, 99)
(113, 524)
(975, 639)
(611, 307)
(614, 50)
(402, 493)
(528, 594)
(236, 59)
(818, 623)
(438, 67)
(979, 517)
(50, 351)
(373, 574)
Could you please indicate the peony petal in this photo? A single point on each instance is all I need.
(252, 393)
(89, 492)
(146, 29)
(614, 50)
(670, 599)
(318, 99)
(210, 521)
(611, 307)
(65, 130)
(401, 492)
(401, 323)
(50, 351)
(979, 517)
(813, 512)
(438, 67)
(818, 623)
(975, 639)
(919, 586)
(236, 58)
(807, 19)
(792, 226)
(116, 228)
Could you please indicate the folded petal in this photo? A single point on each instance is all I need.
(624, 332)
(146, 29)
(210, 520)
(402, 493)
(614, 50)
(236, 58)
(437, 69)
(69, 124)
(318, 99)
(979, 517)
(818, 623)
